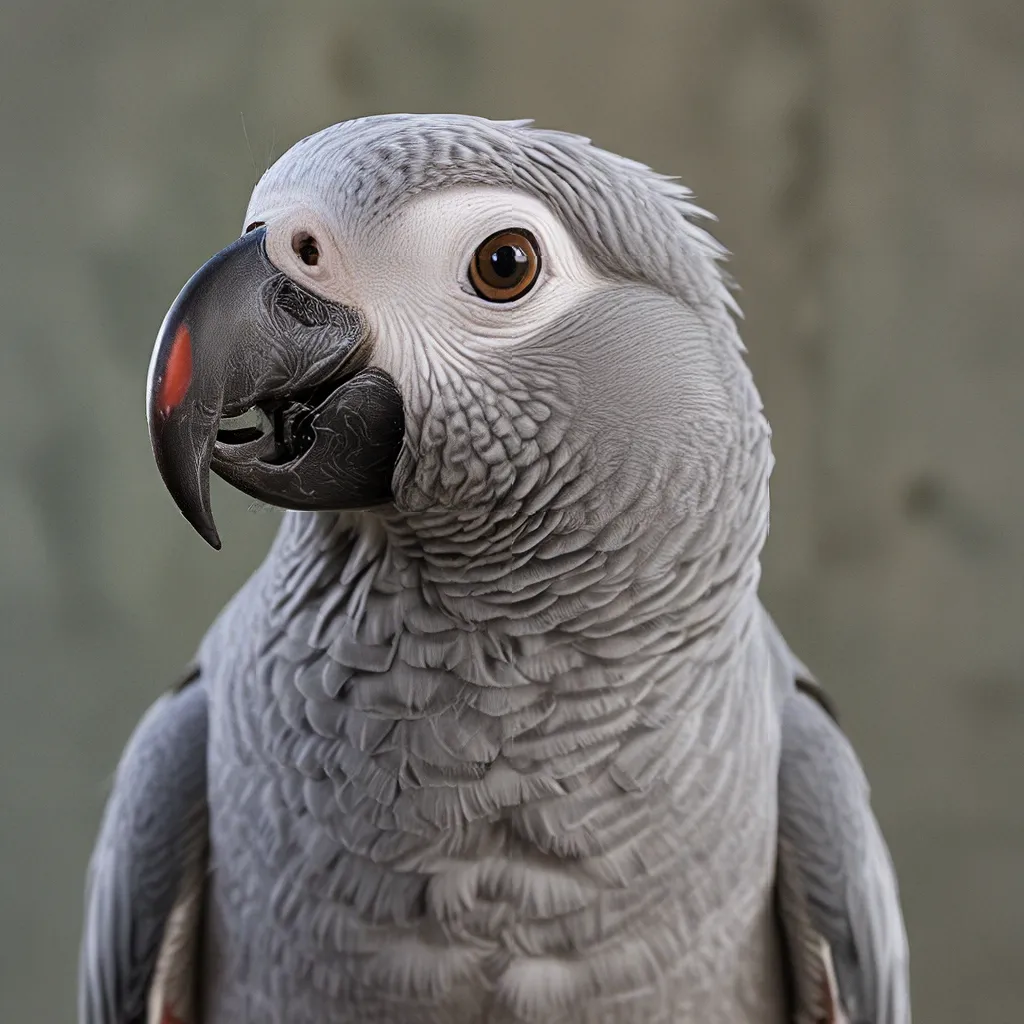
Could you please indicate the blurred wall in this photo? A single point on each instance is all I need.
(867, 164)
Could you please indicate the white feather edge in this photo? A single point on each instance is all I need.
(173, 994)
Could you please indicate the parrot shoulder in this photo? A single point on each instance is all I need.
(145, 881)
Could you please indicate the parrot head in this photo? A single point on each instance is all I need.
(464, 322)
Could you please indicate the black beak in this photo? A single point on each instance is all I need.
(319, 428)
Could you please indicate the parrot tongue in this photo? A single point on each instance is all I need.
(250, 425)
(333, 448)
(282, 429)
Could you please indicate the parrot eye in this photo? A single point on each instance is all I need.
(505, 265)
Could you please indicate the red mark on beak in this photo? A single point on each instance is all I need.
(178, 372)
(168, 1017)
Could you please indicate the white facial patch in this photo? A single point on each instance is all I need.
(408, 273)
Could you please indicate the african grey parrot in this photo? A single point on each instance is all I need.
(499, 731)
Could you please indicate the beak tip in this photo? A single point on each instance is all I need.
(201, 520)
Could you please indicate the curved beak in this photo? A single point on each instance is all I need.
(319, 429)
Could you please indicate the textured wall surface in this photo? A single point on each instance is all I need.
(867, 164)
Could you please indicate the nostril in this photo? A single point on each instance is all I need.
(254, 225)
(305, 247)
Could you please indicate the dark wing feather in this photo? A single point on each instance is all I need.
(838, 896)
(153, 825)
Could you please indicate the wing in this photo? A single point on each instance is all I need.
(838, 897)
(151, 841)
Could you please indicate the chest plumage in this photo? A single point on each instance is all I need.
(406, 813)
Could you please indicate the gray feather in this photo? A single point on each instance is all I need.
(154, 819)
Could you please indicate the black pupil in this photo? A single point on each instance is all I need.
(508, 260)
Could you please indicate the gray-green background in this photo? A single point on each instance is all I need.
(867, 164)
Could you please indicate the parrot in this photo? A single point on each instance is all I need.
(500, 730)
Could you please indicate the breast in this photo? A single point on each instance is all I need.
(411, 822)
(301, 929)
